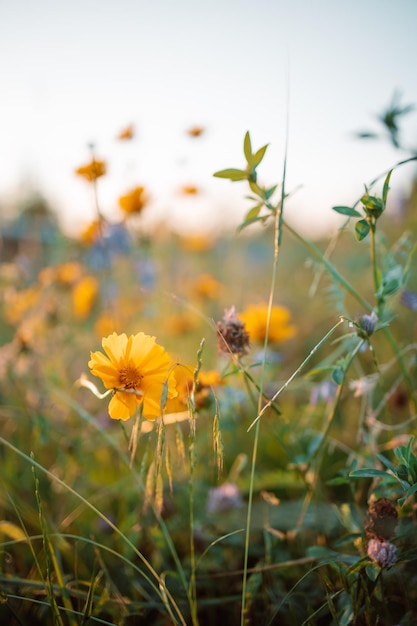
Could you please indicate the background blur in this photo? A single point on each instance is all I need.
(79, 72)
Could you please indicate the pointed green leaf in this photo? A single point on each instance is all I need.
(247, 149)
(386, 188)
(346, 210)
(387, 462)
(232, 173)
(409, 492)
(269, 192)
(369, 473)
(260, 218)
(254, 212)
(256, 189)
(362, 228)
(259, 155)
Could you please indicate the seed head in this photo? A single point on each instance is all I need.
(384, 553)
(381, 520)
(232, 336)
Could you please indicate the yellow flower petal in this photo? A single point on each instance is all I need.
(139, 365)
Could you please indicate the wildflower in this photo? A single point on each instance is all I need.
(381, 519)
(68, 273)
(91, 171)
(384, 553)
(91, 233)
(84, 295)
(138, 370)
(197, 242)
(233, 337)
(364, 386)
(324, 391)
(105, 324)
(409, 299)
(195, 131)
(134, 201)
(181, 323)
(366, 325)
(185, 381)
(127, 133)
(206, 286)
(189, 190)
(223, 498)
(255, 320)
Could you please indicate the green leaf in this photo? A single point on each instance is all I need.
(386, 188)
(259, 155)
(261, 218)
(247, 149)
(346, 210)
(387, 462)
(232, 173)
(362, 228)
(338, 375)
(256, 189)
(254, 212)
(269, 192)
(369, 473)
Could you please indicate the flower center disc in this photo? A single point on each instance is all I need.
(129, 377)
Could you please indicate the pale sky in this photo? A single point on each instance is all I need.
(77, 72)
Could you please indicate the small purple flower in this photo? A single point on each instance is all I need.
(223, 498)
(384, 553)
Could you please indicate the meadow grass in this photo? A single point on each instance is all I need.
(278, 486)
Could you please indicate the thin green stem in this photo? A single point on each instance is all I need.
(277, 244)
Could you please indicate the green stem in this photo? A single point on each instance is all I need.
(372, 232)
(277, 244)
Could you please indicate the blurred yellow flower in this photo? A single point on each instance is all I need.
(138, 370)
(105, 325)
(211, 378)
(255, 317)
(91, 171)
(180, 323)
(134, 201)
(206, 286)
(127, 133)
(20, 303)
(189, 190)
(195, 131)
(184, 376)
(91, 233)
(197, 242)
(69, 273)
(84, 295)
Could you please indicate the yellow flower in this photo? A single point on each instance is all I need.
(84, 295)
(91, 171)
(126, 133)
(134, 201)
(255, 317)
(206, 286)
(195, 131)
(196, 242)
(105, 324)
(138, 370)
(184, 377)
(68, 273)
(91, 233)
(189, 190)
